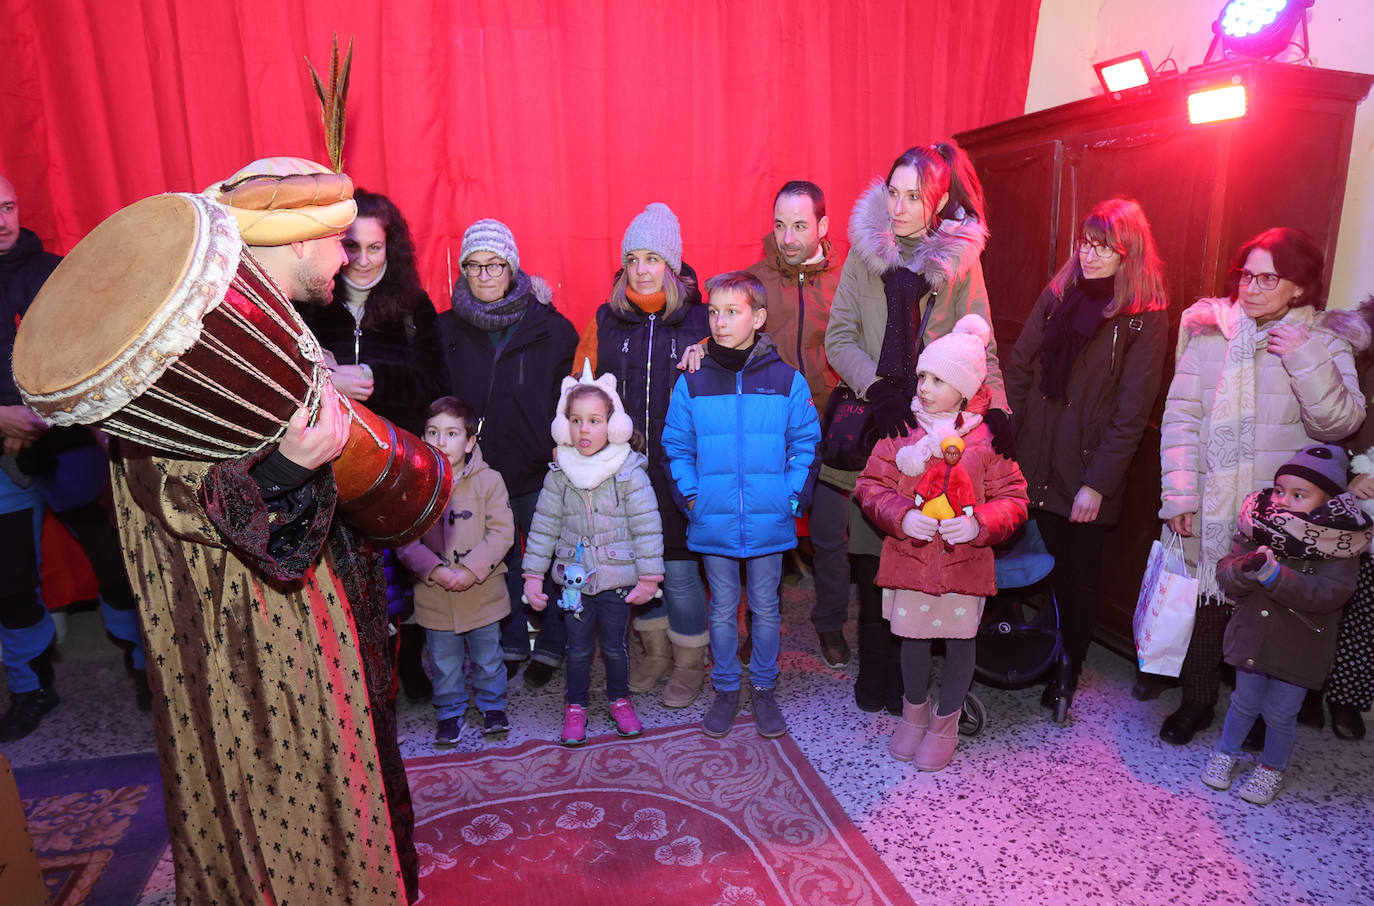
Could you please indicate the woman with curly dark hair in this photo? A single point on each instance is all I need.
(381, 330)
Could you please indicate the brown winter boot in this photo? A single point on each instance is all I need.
(911, 730)
(689, 669)
(937, 748)
(656, 662)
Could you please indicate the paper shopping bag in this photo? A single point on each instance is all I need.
(1165, 610)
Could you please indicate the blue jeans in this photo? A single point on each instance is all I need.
(605, 619)
(1279, 702)
(683, 603)
(447, 650)
(762, 577)
(515, 638)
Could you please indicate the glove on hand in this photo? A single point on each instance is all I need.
(892, 414)
(534, 593)
(959, 529)
(1003, 432)
(1252, 563)
(643, 592)
(918, 525)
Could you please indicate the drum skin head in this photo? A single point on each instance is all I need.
(105, 294)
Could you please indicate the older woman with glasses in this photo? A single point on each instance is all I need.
(1259, 376)
(1081, 382)
(507, 350)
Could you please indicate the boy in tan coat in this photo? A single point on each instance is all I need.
(461, 594)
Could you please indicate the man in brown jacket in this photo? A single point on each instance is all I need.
(800, 275)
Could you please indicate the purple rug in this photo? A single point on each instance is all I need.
(98, 826)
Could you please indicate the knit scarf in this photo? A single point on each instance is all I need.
(587, 472)
(732, 360)
(1068, 330)
(904, 290)
(1228, 450)
(1337, 529)
(492, 316)
(914, 458)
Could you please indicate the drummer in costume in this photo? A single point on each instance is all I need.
(262, 612)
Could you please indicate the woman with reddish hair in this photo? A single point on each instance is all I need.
(1081, 381)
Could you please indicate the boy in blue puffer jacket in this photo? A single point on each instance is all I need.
(740, 439)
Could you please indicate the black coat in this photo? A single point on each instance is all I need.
(406, 361)
(1091, 437)
(23, 269)
(515, 389)
(642, 351)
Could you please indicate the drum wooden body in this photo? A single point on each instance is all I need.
(184, 345)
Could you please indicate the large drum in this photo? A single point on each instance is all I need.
(158, 328)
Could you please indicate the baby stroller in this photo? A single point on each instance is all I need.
(1014, 652)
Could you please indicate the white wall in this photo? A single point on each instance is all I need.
(1074, 34)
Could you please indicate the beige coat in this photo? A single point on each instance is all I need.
(1311, 396)
(949, 261)
(476, 532)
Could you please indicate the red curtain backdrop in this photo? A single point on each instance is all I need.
(562, 119)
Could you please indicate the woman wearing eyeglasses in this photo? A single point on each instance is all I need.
(1259, 376)
(507, 349)
(653, 314)
(1082, 380)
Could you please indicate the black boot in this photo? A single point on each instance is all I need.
(27, 708)
(1181, 726)
(414, 682)
(1346, 721)
(870, 686)
(1310, 715)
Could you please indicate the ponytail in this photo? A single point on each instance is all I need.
(945, 167)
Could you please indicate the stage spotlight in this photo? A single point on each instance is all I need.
(1218, 103)
(1124, 74)
(1259, 28)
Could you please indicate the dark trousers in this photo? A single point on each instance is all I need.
(605, 621)
(1201, 675)
(1077, 577)
(830, 541)
(515, 638)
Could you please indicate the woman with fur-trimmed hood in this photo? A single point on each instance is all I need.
(915, 238)
(1259, 376)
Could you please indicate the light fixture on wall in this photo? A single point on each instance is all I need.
(1259, 29)
(1126, 74)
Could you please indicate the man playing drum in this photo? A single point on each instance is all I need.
(264, 616)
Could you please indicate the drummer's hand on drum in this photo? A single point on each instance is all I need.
(354, 381)
(311, 446)
(22, 424)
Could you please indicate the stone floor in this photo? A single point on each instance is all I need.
(1095, 812)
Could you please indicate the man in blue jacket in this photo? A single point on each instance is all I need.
(741, 438)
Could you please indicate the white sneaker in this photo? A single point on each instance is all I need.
(1262, 786)
(1219, 771)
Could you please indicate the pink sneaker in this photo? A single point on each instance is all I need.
(626, 721)
(574, 726)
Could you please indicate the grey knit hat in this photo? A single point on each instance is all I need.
(491, 236)
(657, 230)
(1325, 465)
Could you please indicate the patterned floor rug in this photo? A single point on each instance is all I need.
(670, 818)
(98, 826)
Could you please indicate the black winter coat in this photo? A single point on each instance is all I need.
(515, 389)
(406, 361)
(23, 270)
(1091, 437)
(642, 351)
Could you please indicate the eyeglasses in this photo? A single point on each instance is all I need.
(1265, 281)
(491, 269)
(1087, 246)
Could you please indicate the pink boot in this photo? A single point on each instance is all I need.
(910, 732)
(937, 748)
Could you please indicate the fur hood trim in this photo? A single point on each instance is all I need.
(543, 293)
(1212, 316)
(942, 257)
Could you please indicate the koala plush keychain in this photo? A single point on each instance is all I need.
(574, 577)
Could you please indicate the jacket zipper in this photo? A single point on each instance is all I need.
(649, 374)
(801, 320)
(739, 452)
(1116, 329)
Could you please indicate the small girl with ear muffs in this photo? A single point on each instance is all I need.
(597, 525)
(936, 573)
